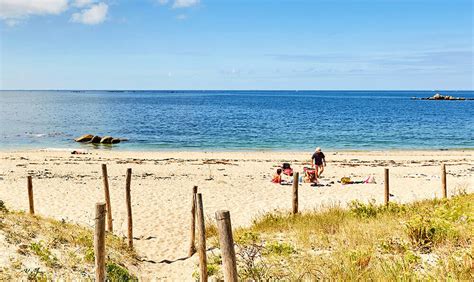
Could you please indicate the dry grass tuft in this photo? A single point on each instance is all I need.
(422, 240)
(58, 249)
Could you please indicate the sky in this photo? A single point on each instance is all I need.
(237, 44)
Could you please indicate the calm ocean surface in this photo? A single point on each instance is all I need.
(237, 120)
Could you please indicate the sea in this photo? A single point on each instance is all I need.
(236, 120)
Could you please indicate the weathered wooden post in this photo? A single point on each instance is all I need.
(99, 242)
(128, 199)
(30, 195)
(295, 192)
(105, 179)
(227, 246)
(443, 181)
(201, 239)
(192, 246)
(387, 188)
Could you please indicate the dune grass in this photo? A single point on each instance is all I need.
(430, 239)
(45, 249)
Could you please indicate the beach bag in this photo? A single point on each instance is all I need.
(345, 180)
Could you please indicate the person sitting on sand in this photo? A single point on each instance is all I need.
(309, 175)
(318, 161)
(277, 177)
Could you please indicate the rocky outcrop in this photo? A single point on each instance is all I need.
(106, 140)
(438, 96)
(84, 138)
(94, 139)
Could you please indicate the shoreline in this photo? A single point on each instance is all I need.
(246, 150)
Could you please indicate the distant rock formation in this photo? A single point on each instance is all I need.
(438, 96)
(94, 139)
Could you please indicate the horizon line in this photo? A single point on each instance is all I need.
(295, 90)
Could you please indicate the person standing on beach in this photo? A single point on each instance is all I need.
(318, 161)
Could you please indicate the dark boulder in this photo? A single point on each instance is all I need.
(106, 140)
(95, 139)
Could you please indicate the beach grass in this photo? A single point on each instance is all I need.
(41, 248)
(429, 239)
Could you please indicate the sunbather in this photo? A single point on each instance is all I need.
(277, 177)
(309, 175)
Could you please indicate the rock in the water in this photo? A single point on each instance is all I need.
(95, 139)
(84, 138)
(439, 97)
(115, 141)
(106, 140)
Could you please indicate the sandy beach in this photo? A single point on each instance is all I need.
(67, 186)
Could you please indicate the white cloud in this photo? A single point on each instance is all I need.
(181, 17)
(12, 22)
(12, 11)
(83, 3)
(179, 3)
(96, 14)
(185, 3)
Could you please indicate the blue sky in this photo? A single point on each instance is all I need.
(236, 44)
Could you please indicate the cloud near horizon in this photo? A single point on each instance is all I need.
(95, 14)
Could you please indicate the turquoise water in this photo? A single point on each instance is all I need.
(237, 120)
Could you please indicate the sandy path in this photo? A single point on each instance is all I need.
(67, 186)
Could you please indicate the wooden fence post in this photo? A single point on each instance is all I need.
(443, 181)
(30, 195)
(99, 242)
(227, 246)
(128, 199)
(192, 246)
(295, 192)
(105, 179)
(387, 187)
(201, 239)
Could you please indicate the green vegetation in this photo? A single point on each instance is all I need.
(2, 207)
(423, 240)
(116, 272)
(44, 254)
(56, 247)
